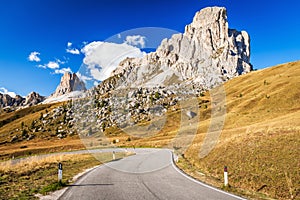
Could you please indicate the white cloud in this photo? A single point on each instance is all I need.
(60, 61)
(72, 50)
(52, 65)
(69, 44)
(136, 40)
(63, 70)
(101, 58)
(34, 56)
(42, 66)
(5, 91)
(83, 77)
(119, 36)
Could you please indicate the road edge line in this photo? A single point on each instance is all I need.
(199, 182)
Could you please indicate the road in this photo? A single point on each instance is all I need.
(150, 174)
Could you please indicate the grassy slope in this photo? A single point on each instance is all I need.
(260, 141)
(44, 142)
(24, 180)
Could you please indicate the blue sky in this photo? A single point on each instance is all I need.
(48, 26)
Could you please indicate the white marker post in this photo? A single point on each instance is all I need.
(225, 176)
(114, 155)
(59, 172)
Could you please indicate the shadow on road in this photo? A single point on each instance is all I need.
(91, 184)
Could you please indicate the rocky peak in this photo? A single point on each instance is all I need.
(69, 83)
(207, 53)
(33, 99)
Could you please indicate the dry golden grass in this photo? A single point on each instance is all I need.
(39, 146)
(36, 162)
(260, 141)
(44, 142)
(9, 122)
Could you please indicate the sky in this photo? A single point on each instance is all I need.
(40, 40)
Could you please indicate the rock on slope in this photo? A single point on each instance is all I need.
(69, 83)
(207, 53)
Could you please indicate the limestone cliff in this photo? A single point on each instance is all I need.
(206, 54)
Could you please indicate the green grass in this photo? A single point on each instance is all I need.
(53, 187)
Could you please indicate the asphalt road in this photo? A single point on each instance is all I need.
(150, 174)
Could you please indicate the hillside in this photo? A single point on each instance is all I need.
(36, 129)
(259, 142)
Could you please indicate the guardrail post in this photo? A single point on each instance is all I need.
(59, 172)
(225, 176)
(114, 155)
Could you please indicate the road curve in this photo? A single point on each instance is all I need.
(150, 174)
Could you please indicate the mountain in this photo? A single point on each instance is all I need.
(31, 99)
(69, 83)
(206, 54)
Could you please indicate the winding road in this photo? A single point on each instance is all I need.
(150, 174)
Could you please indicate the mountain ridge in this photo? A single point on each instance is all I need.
(31, 99)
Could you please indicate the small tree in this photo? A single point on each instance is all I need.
(24, 133)
(32, 125)
(90, 131)
(157, 96)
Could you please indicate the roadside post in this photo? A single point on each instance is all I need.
(59, 172)
(114, 155)
(225, 176)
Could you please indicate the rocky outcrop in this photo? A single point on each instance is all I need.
(207, 53)
(69, 83)
(33, 99)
